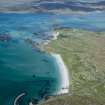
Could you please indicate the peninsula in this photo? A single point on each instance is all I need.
(84, 55)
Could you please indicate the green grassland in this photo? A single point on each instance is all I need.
(84, 54)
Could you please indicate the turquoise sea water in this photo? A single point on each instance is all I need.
(24, 69)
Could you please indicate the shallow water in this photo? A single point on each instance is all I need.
(23, 70)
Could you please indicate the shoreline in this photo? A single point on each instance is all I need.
(17, 98)
(63, 71)
(64, 75)
(54, 36)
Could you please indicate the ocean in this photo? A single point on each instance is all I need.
(25, 69)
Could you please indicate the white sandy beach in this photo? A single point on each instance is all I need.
(55, 35)
(64, 75)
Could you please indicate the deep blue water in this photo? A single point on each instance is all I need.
(41, 22)
(23, 69)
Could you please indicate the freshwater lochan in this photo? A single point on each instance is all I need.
(24, 69)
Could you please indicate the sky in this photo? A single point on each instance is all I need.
(52, 5)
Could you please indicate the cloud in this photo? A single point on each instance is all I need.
(51, 5)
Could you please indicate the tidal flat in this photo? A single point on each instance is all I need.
(84, 54)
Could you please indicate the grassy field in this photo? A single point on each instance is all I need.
(84, 54)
